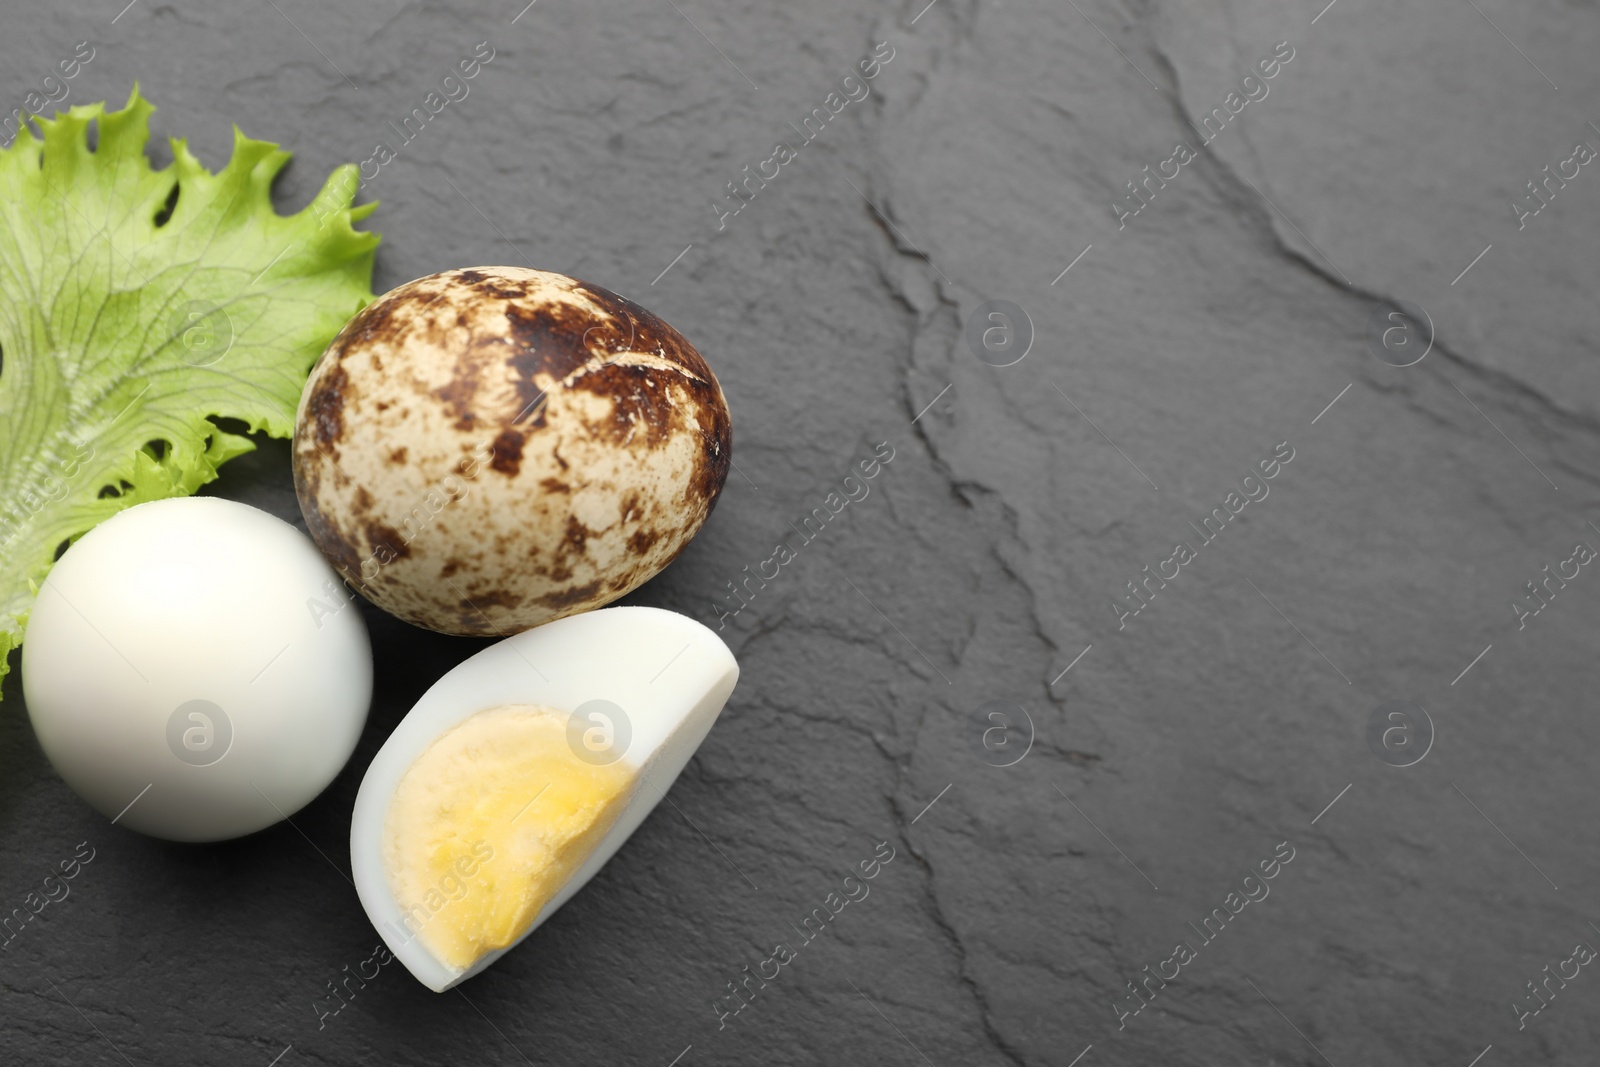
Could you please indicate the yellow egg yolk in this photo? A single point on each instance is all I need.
(489, 823)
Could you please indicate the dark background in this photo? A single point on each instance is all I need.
(1175, 354)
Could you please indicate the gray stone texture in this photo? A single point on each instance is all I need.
(1181, 749)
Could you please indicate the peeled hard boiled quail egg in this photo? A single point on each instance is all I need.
(485, 450)
(195, 670)
(520, 772)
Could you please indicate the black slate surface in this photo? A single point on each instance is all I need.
(1183, 747)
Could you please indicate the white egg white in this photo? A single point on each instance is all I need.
(195, 670)
(670, 675)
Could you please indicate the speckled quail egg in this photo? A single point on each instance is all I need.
(485, 450)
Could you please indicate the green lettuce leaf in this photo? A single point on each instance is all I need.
(136, 305)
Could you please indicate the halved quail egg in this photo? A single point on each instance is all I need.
(520, 772)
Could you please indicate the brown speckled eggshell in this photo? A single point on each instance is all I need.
(485, 450)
